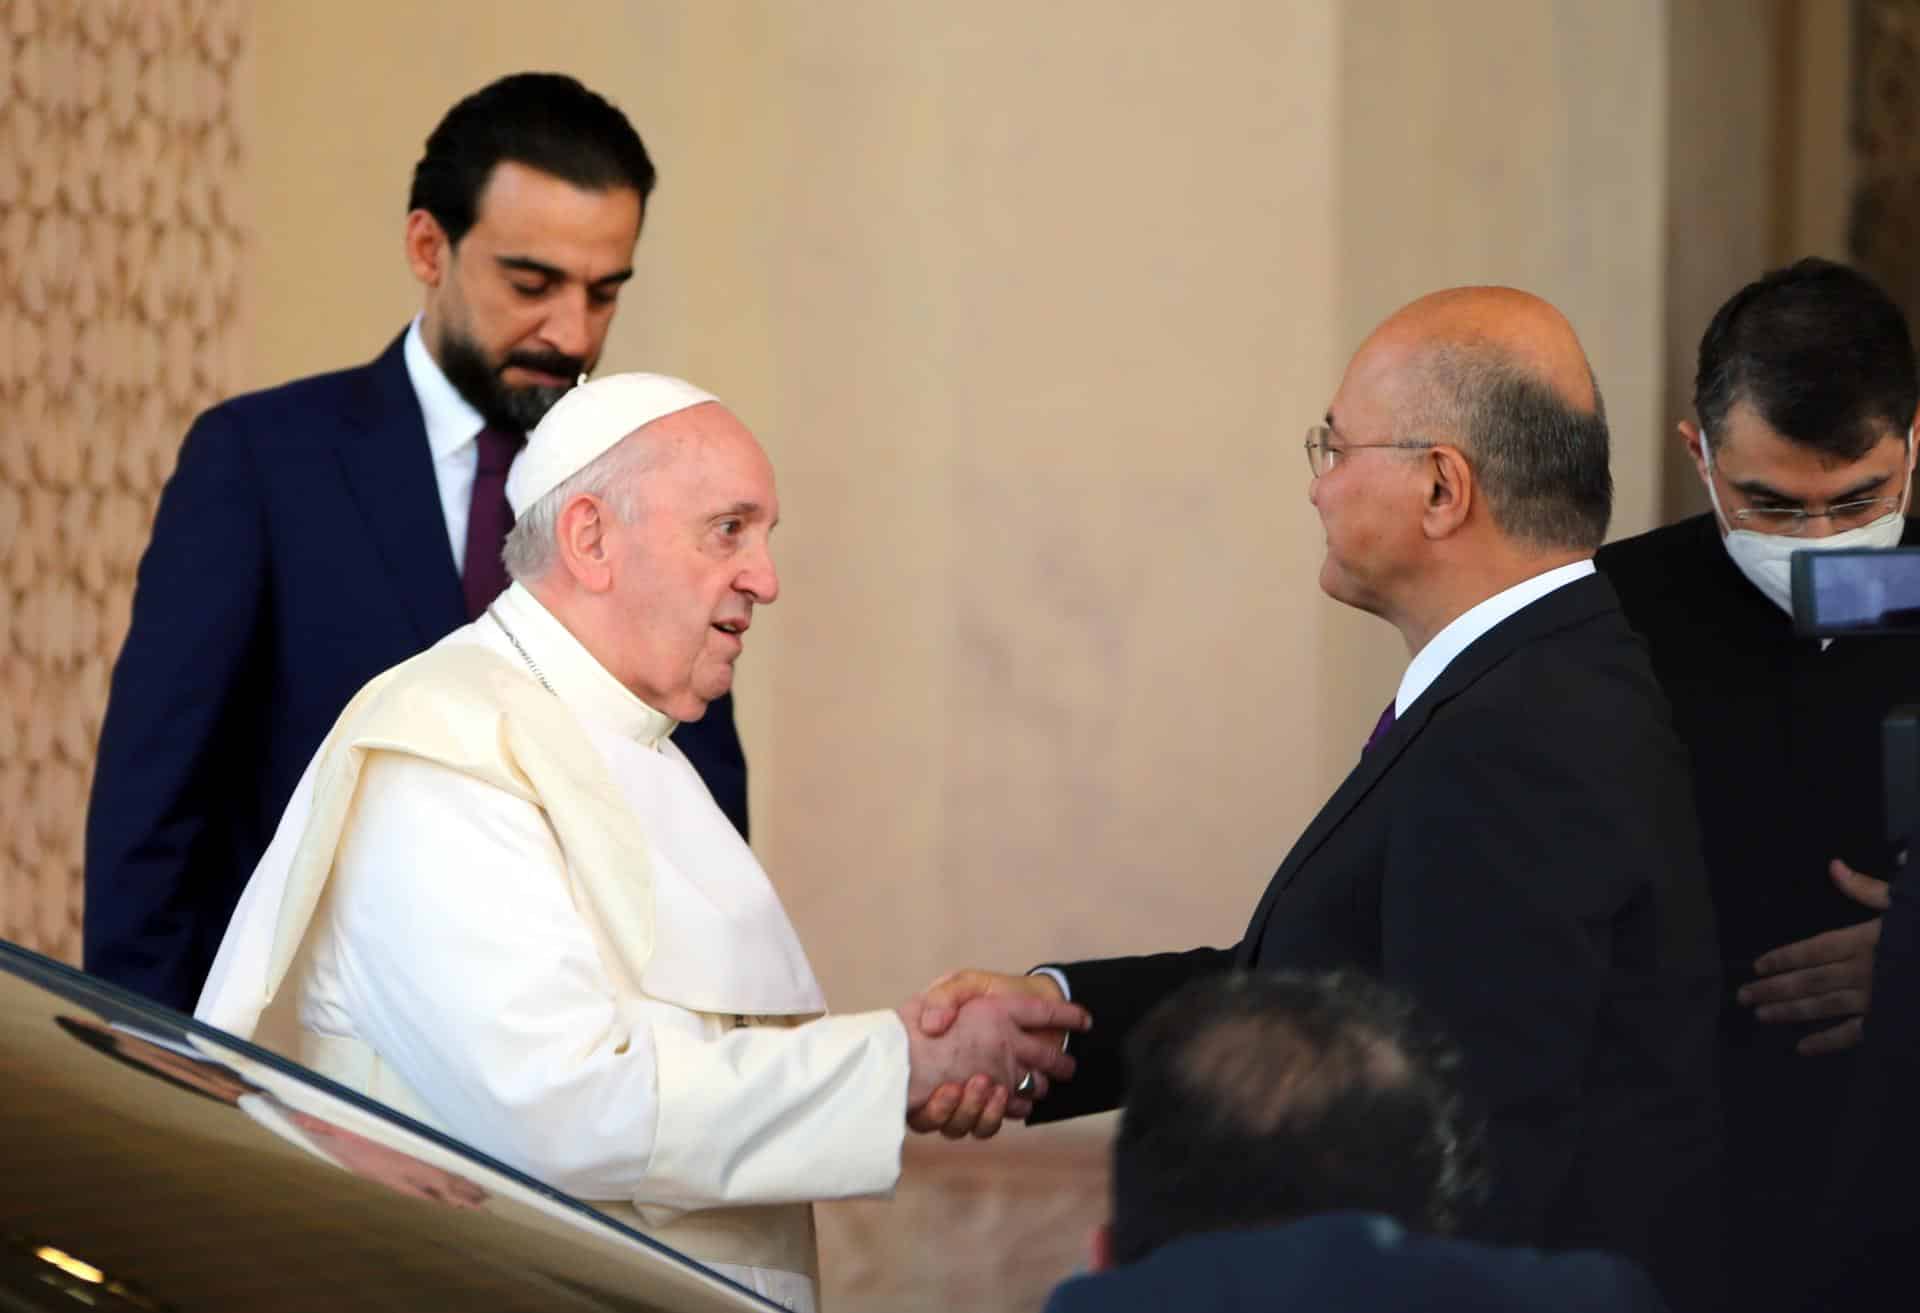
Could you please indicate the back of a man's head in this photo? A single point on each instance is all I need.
(1820, 354)
(1261, 1098)
(1541, 458)
(545, 121)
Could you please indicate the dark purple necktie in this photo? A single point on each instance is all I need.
(1380, 727)
(488, 519)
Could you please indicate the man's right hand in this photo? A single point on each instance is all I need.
(977, 1108)
(968, 1052)
(945, 996)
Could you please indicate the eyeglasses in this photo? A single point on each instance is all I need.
(1322, 455)
(1791, 521)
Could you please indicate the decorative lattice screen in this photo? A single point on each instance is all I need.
(121, 156)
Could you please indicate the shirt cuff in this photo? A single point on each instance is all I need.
(1058, 977)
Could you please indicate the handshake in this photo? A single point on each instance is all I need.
(983, 1047)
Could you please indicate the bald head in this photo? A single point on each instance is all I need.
(1518, 327)
(1500, 374)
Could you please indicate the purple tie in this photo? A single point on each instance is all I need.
(488, 519)
(1380, 727)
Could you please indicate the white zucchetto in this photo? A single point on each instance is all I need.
(586, 423)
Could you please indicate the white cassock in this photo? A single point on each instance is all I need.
(503, 902)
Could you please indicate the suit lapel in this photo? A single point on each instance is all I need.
(1372, 767)
(1580, 600)
(389, 471)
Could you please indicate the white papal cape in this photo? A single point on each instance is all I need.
(502, 902)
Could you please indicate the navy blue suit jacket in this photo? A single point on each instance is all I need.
(299, 549)
(1357, 1263)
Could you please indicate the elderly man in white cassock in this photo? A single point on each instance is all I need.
(502, 902)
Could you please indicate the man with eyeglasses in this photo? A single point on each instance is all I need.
(1516, 847)
(1805, 395)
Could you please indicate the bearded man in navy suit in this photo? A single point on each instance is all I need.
(1517, 848)
(320, 532)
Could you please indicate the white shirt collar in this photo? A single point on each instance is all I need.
(577, 679)
(452, 422)
(1450, 642)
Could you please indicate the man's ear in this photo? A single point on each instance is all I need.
(428, 250)
(1100, 1249)
(581, 537)
(1449, 492)
(1694, 442)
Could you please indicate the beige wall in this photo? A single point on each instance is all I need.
(1030, 308)
(1501, 141)
(1031, 304)
(1759, 174)
(1724, 177)
(1813, 119)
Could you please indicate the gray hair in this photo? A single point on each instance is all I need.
(1540, 460)
(612, 477)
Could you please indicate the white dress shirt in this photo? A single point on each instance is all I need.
(1443, 647)
(453, 426)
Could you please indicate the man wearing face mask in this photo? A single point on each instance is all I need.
(1805, 395)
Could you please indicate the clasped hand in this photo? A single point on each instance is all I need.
(971, 1039)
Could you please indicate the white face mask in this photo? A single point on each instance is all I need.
(1766, 559)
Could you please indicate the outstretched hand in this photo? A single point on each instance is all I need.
(1826, 976)
(978, 1106)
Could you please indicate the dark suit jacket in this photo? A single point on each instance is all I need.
(1871, 1222)
(1519, 854)
(1356, 1263)
(299, 549)
(1784, 737)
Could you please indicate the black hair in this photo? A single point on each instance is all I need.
(1819, 352)
(1256, 1098)
(546, 121)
